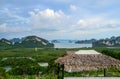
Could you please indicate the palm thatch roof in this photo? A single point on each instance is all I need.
(75, 61)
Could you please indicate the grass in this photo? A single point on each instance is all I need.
(42, 55)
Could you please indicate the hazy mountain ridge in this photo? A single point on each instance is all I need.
(62, 41)
(108, 42)
(29, 41)
(16, 40)
(35, 41)
(74, 41)
(86, 41)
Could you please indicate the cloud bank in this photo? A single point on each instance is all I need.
(60, 19)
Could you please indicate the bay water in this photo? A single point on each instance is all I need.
(71, 45)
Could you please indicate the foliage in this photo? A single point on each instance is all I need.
(40, 55)
(27, 70)
(18, 62)
(2, 73)
(113, 52)
(52, 68)
(50, 76)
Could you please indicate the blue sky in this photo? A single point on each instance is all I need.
(60, 19)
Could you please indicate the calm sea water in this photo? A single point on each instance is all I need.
(71, 45)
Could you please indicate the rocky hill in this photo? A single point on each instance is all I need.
(34, 41)
(4, 43)
(27, 42)
(108, 42)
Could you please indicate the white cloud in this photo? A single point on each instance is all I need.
(96, 22)
(3, 28)
(56, 23)
(49, 19)
(73, 7)
(112, 23)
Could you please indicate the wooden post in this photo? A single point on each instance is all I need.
(58, 71)
(104, 72)
(62, 71)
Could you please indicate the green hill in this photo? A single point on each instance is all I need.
(108, 42)
(28, 42)
(4, 43)
(34, 41)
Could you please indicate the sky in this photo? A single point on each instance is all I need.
(60, 19)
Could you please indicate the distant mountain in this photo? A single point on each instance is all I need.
(55, 41)
(63, 41)
(26, 42)
(74, 41)
(85, 41)
(108, 42)
(16, 40)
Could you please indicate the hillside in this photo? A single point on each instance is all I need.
(27, 42)
(34, 41)
(108, 42)
(85, 41)
(4, 43)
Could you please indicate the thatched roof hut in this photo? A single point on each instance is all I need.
(75, 61)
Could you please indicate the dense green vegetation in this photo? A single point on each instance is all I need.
(27, 70)
(2, 73)
(41, 55)
(24, 62)
(113, 52)
(13, 62)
